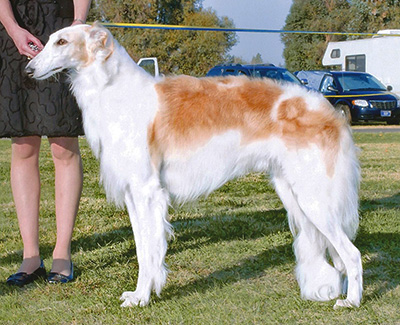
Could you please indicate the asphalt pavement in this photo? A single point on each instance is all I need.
(376, 128)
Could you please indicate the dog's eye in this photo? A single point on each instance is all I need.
(62, 41)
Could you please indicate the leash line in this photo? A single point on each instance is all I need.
(361, 95)
(237, 30)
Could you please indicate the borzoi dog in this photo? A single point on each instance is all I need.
(181, 137)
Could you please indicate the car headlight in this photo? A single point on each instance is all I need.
(360, 102)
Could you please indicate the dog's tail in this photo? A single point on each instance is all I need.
(343, 186)
(346, 183)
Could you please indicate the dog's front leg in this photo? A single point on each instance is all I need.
(148, 207)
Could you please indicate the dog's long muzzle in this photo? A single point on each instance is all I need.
(29, 71)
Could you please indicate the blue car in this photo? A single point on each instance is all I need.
(358, 95)
(256, 71)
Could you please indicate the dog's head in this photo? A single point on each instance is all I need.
(72, 47)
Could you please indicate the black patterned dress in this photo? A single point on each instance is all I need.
(30, 107)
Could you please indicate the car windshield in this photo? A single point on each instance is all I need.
(351, 82)
(277, 74)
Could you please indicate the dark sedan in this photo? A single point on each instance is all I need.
(358, 95)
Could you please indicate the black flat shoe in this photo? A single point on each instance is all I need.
(22, 278)
(55, 277)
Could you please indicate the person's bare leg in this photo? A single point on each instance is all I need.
(68, 188)
(25, 185)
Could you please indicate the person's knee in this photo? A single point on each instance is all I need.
(65, 150)
(25, 148)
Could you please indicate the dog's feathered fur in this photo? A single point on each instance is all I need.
(182, 137)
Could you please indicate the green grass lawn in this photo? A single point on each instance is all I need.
(231, 261)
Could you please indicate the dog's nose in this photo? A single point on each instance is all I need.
(29, 71)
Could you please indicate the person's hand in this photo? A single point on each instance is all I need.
(26, 43)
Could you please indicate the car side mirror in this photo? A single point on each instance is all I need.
(331, 88)
(304, 81)
(389, 88)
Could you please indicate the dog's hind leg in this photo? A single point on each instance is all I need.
(324, 227)
(148, 207)
(339, 265)
(348, 254)
(317, 279)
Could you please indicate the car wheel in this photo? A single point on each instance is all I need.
(345, 111)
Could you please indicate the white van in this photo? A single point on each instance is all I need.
(378, 56)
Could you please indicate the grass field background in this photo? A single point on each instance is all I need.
(231, 260)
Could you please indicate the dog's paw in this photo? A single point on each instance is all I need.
(133, 298)
(345, 303)
(327, 292)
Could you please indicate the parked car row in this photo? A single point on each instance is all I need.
(359, 96)
(256, 71)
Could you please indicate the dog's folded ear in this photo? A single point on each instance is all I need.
(100, 43)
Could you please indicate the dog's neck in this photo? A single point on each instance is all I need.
(116, 86)
(98, 73)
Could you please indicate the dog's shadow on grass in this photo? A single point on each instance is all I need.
(384, 203)
(229, 227)
(190, 233)
(380, 250)
(195, 233)
(249, 268)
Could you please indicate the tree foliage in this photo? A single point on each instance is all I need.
(257, 59)
(188, 52)
(304, 51)
(371, 16)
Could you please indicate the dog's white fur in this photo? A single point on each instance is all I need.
(152, 147)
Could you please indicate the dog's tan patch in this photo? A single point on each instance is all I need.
(193, 110)
(81, 54)
(301, 126)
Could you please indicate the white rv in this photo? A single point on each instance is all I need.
(379, 56)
